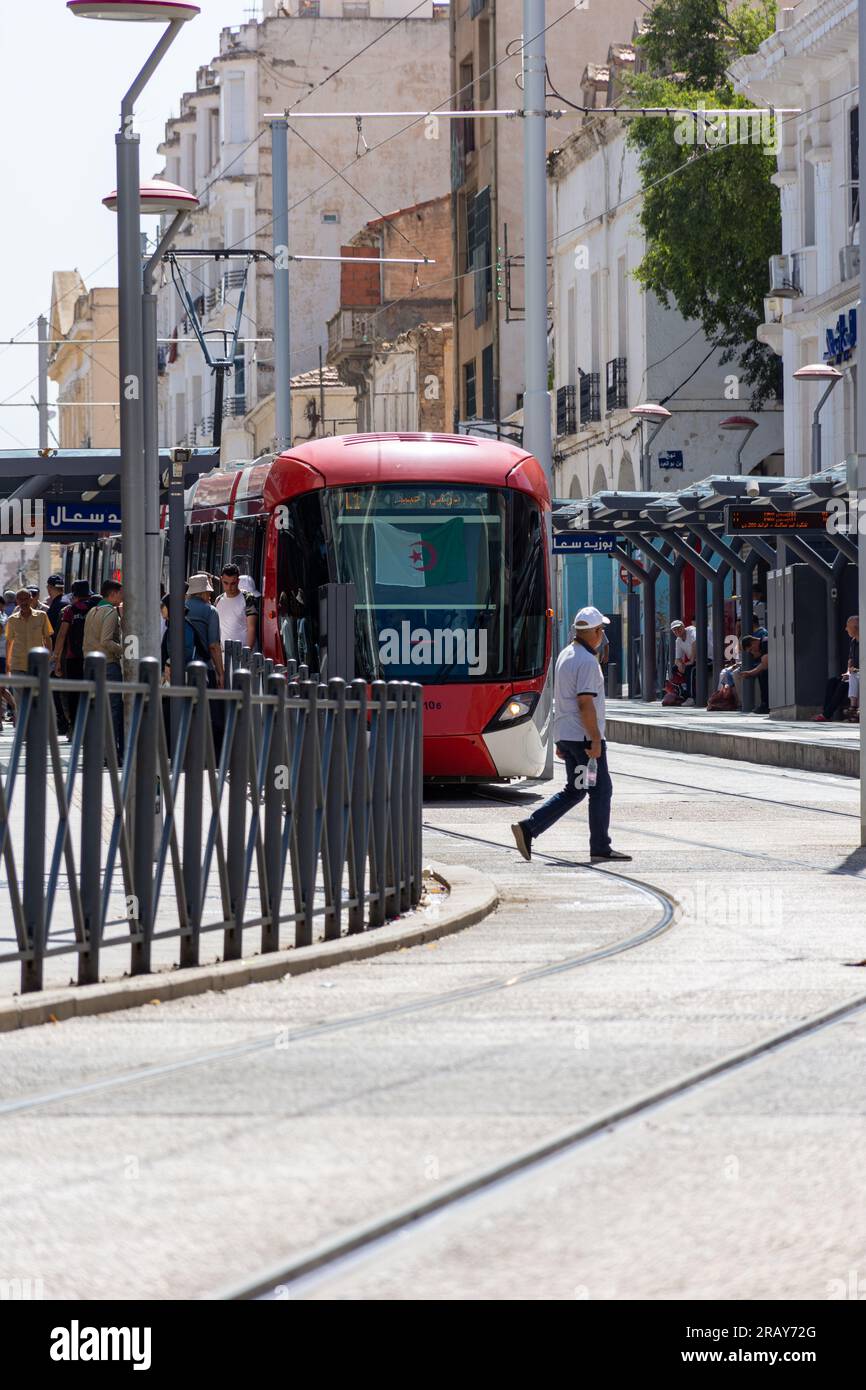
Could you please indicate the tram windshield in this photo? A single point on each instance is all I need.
(449, 579)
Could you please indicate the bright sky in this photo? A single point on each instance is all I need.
(62, 81)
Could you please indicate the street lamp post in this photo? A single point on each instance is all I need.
(155, 198)
(818, 371)
(652, 414)
(747, 425)
(129, 278)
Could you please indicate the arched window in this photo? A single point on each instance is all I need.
(599, 482)
(626, 474)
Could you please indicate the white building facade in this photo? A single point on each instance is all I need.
(305, 53)
(811, 312)
(617, 346)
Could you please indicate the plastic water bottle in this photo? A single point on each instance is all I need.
(592, 772)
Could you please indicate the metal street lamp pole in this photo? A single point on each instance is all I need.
(282, 319)
(150, 623)
(536, 398)
(174, 14)
(861, 414)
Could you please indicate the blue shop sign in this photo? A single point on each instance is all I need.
(672, 459)
(582, 543)
(842, 339)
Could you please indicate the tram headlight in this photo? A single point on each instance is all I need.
(516, 710)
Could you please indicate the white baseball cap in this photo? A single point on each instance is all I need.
(589, 617)
(677, 622)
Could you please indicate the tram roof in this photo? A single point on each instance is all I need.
(346, 460)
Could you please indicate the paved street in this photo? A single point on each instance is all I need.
(198, 1178)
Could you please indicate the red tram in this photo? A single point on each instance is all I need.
(444, 538)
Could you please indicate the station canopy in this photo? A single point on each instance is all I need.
(80, 488)
(745, 503)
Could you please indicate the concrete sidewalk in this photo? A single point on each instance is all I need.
(750, 738)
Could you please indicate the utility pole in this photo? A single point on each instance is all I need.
(536, 398)
(42, 402)
(282, 322)
(861, 410)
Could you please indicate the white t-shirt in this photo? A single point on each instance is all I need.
(686, 645)
(577, 673)
(232, 613)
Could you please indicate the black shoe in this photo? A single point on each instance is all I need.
(609, 854)
(524, 841)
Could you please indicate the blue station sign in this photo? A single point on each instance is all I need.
(86, 518)
(582, 543)
(673, 458)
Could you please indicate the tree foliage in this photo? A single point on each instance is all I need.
(710, 214)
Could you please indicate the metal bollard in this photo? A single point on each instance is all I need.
(336, 817)
(379, 857)
(146, 803)
(237, 823)
(91, 824)
(195, 780)
(307, 812)
(276, 794)
(359, 803)
(35, 804)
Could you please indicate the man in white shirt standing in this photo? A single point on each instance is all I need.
(578, 728)
(237, 619)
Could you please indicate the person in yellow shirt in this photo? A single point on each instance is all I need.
(27, 627)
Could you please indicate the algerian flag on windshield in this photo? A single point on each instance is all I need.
(420, 557)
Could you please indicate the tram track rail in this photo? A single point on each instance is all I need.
(122, 1080)
(314, 1266)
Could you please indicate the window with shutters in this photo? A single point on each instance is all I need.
(470, 410)
(488, 404)
(466, 102)
(481, 254)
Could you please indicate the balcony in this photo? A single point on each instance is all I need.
(566, 410)
(616, 384)
(804, 271)
(590, 398)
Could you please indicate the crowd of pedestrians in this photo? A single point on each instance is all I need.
(75, 622)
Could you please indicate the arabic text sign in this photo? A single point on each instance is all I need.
(740, 521)
(81, 517)
(672, 459)
(582, 543)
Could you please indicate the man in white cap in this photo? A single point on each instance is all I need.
(578, 728)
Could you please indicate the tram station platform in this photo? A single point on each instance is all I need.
(750, 738)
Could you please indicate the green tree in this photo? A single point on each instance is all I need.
(710, 214)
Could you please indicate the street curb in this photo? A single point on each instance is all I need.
(762, 749)
(471, 897)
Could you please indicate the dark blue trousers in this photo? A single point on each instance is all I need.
(551, 810)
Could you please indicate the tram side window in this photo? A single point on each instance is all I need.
(302, 565)
(528, 592)
(244, 546)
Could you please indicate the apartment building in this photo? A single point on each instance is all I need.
(392, 336)
(617, 346)
(487, 179)
(307, 54)
(813, 287)
(83, 361)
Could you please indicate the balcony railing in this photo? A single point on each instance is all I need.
(803, 271)
(590, 397)
(616, 384)
(566, 410)
(348, 330)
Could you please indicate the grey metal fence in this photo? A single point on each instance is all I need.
(274, 803)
